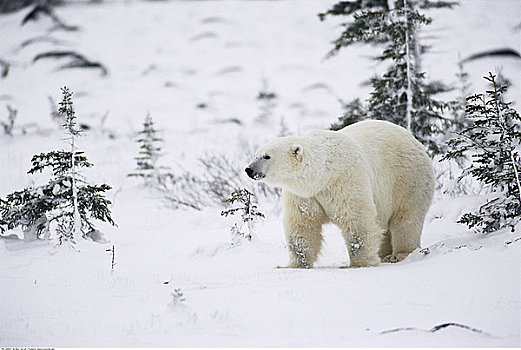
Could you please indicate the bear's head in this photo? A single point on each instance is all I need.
(289, 163)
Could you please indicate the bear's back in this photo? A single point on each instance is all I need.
(385, 139)
(398, 162)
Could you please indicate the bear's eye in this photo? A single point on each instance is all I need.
(266, 157)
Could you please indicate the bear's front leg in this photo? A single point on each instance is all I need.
(302, 219)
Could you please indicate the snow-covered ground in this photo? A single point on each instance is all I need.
(168, 57)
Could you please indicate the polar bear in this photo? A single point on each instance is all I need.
(373, 179)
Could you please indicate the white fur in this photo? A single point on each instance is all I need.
(373, 179)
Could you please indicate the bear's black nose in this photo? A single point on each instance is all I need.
(249, 171)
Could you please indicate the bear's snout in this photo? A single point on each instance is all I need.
(253, 174)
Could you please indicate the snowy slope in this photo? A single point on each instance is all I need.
(168, 57)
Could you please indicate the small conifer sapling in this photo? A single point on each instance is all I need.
(149, 153)
(247, 207)
(65, 207)
(178, 297)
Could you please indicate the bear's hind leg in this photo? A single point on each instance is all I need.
(405, 232)
(386, 247)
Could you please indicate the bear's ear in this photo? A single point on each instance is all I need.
(296, 151)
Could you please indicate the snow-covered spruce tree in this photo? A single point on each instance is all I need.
(64, 207)
(249, 214)
(150, 152)
(493, 141)
(447, 173)
(72, 133)
(401, 95)
(354, 111)
(364, 15)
